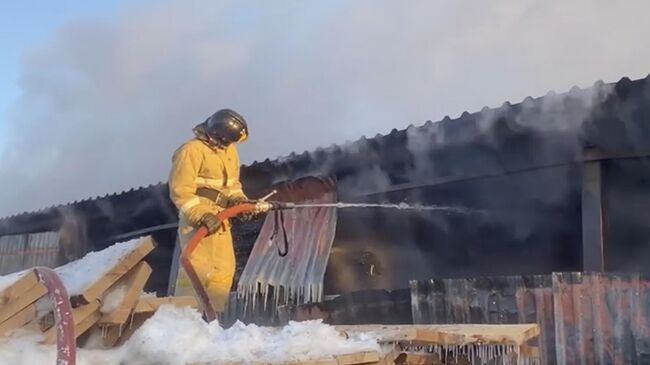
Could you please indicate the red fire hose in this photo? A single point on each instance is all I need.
(65, 337)
(202, 295)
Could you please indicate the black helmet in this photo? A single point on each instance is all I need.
(225, 127)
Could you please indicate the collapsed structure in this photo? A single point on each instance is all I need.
(563, 182)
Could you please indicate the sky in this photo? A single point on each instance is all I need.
(96, 96)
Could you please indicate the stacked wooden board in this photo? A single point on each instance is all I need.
(22, 302)
(453, 344)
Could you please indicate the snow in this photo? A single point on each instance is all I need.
(113, 299)
(79, 274)
(9, 279)
(177, 336)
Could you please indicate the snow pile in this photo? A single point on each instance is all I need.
(78, 275)
(193, 340)
(178, 336)
(23, 349)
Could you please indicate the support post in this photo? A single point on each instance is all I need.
(593, 233)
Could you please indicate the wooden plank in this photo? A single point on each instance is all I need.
(79, 314)
(22, 284)
(87, 323)
(454, 334)
(134, 281)
(18, 320)
(411, 334)
(126, 263)
(390, 357)
(357, 358)
(418, 358)
(20, 300)
(116, 335)
(151, 304)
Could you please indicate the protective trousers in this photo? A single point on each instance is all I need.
(214, 263)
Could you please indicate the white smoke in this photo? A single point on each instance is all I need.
(106, 100)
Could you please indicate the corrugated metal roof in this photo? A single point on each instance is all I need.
(451, 131)
(585, 318)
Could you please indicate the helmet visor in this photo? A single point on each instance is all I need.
(243, 135)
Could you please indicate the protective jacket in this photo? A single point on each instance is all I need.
(198, 165)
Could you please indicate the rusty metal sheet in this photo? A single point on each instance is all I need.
(298, 276)
(602, 318)
(585, 318)
(488, 300)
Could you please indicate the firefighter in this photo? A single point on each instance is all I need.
(204, 180)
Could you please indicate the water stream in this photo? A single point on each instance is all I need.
(400, 206)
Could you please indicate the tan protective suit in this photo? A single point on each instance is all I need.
(197, 164)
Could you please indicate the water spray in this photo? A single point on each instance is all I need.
(264, 206)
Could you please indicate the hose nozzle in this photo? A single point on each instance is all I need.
(264, 206)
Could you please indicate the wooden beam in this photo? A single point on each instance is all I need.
(593, 237)
(418, 358)
(126, 263)
(134, 282)
(87, 323)
(9, 294)
(116, 335)
(18, 320)
(19, 296)
(357, 358)
(79, 314)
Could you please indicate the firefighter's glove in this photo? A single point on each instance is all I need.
(238, 199)
(211, 222)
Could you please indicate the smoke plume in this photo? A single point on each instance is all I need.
(105, 101)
